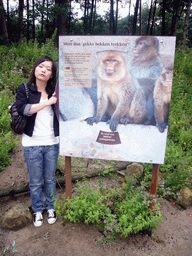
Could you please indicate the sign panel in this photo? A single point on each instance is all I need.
(114, 96)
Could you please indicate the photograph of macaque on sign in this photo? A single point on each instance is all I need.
(114, 96)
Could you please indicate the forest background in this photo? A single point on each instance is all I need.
(38, 19)
(31, 29)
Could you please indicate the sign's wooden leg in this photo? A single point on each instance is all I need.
(68, 176)
(153, 192)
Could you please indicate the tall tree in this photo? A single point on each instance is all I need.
(61, 18)
(176, 16)
(163, 18)
(21, 3)
(135, 17)
(116, 17)
(69, 18)
(140, 15)
(94, 13)
(149, 18)
(128, 18)
(8, 18)
(153, 18)
(33, 23)
(112, 21)
(185, 28)
(28, 23)
(42, 15)
(3, 26)
(91, 16)
(85, 18)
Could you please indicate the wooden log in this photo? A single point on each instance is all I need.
(12, 190)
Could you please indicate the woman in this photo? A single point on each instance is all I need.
(40, 139)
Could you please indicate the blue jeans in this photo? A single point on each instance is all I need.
(41, 164)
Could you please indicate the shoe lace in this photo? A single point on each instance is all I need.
(38, 216)
(51, 213)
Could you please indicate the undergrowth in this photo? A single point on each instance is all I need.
(123, 211)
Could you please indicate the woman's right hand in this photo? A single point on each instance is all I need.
(38, 106)
(52, 100)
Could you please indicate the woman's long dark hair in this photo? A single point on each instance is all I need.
(52, 81)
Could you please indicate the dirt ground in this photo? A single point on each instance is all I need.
(173, 237)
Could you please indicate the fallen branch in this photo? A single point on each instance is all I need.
(13, 190)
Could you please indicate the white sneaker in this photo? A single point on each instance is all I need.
(37, 219)
(51, 216)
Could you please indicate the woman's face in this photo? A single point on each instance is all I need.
(43, 71)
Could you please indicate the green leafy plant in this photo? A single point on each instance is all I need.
(123, 211)
(8, 142)
(133, 212)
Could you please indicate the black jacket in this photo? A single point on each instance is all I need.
(23, 105)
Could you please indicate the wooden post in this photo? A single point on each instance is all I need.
(68, 177)
(153, 192)
(154, 181)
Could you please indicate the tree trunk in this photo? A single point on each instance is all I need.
(140, 26)
(61, 19)
(42, 16)
(85, 17)
(33, 26)
(149, 18)
(129, 29)
(116, 17)
(153, 18)
(28, 23)
(112, 23)
(94, 13)
(91, 16)
(135, 18)
(185, 28)
(69, 18)
(176, 16)
(163, 18)
(20, 20)
(8, 21)
(3, 26)
(47, 18)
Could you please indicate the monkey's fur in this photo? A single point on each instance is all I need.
(162, 97)
(118, 94)
(145, 67)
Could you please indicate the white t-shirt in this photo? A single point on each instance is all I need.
(43, 133)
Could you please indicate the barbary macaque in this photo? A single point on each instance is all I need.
(162, 97)
(119, 96)
(145, 67)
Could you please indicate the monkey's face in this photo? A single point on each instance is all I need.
(111, 61)
(111, 65)
(146, 49)
(139, 48)
(168, 75)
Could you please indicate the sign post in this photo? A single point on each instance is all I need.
(154, 182)
(68, 177)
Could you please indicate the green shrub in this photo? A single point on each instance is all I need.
(8, 141)
(125, 211)
(181, 100)
(5, 98)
